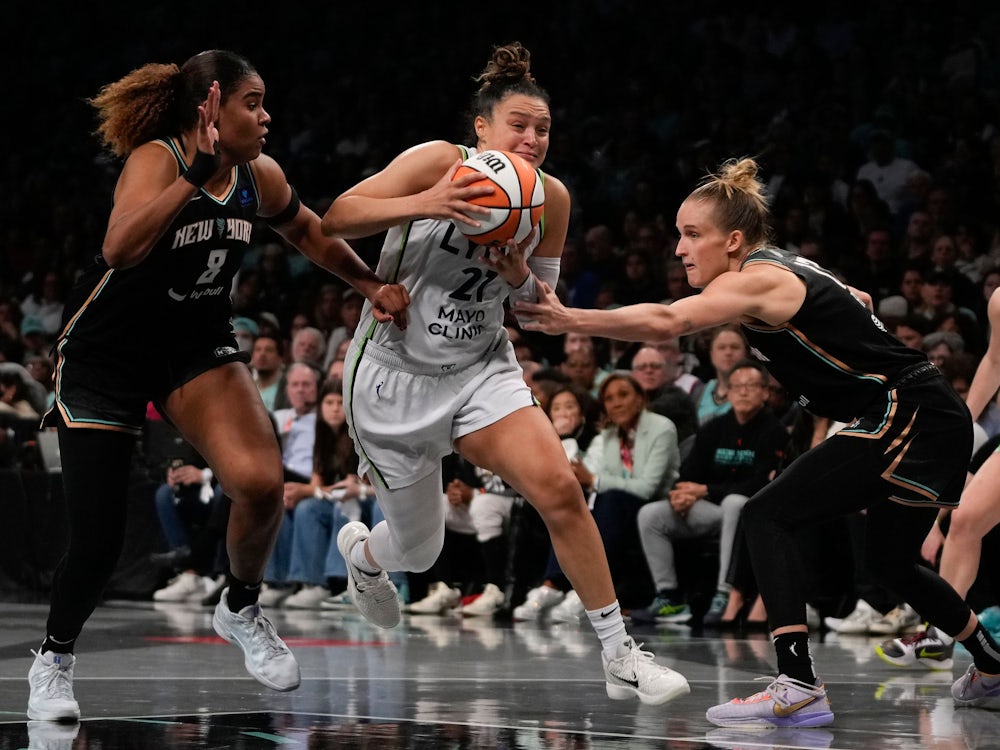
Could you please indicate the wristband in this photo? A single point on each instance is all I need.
(318, 493)
(526, 292)
(202, 168)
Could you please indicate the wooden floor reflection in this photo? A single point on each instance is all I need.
(155, 676)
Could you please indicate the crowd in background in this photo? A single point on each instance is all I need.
(878, 130)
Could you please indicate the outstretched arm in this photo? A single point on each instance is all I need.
(764, 293)
(389, 301)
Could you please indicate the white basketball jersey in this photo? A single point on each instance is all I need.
(456, 302)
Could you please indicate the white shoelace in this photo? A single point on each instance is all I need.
(265, 634)
(57, 682)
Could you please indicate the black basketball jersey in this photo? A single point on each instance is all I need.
(180, 293)
(834, 355)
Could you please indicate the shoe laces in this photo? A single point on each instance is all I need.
(635, 659)
(56, 680)
(378, 587)
(266, 636)
(914, 638)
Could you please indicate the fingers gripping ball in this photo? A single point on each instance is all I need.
(515, 204)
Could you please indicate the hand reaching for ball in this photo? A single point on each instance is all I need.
(510, 260)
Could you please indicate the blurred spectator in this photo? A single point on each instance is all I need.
(888, 173)
(42, 370)
(246, 331)
(309, 346)
(45, 302)
(34, 338)
(268, 368)
(652, 371)
(726, 347)
(350, 315)
(15, 397)
(941, 345)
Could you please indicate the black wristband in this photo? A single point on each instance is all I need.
(202, 168)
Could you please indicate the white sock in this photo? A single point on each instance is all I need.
(360, 560)
(610, 627)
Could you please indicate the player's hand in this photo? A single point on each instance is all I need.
(449, 197)
(389, 304)
(931, 547)
(548, 314)
(510, 260)
(207, 133)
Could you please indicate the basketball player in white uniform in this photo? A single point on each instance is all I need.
(446, 379)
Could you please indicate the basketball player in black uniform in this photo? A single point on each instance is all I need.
(903, 454)
(150, 320)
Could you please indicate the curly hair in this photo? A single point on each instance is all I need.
(507, 72)
(161, 100)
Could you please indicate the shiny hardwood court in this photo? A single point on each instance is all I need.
(156, 676)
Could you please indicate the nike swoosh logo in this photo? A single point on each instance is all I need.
(783, 711)
(175, 296)
(610, 611)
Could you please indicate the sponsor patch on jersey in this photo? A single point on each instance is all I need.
(224, 351)
(246, 198)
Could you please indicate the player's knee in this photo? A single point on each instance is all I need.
(560, 498)
(420, 559)
(259, 491)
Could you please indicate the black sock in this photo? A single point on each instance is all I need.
(242, 594)
(792, 650)
(57, 647)
(984, 650)
(336, 585)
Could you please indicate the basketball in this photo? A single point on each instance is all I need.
(515, 204)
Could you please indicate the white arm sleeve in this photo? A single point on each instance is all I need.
(546, 269)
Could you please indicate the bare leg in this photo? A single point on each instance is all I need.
(220, 412)
(537, 467)
(978, 512)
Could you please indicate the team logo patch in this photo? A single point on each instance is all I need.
(220, 227)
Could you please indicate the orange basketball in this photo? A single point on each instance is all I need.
(515, 204)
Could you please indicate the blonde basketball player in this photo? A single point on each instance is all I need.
(450, 381)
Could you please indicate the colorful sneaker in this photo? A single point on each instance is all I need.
(486, 604)
(537, 603)
(713, 616)
(307, 597)
(441, 599)
(375, 596)
(925, 647)
(784, 703)
(977, 689)
(634, 674)
(667, 611)
(901, 619)
(753, 738)
(570, 609)
(265, 655)
(857, 622)
(51, 681)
